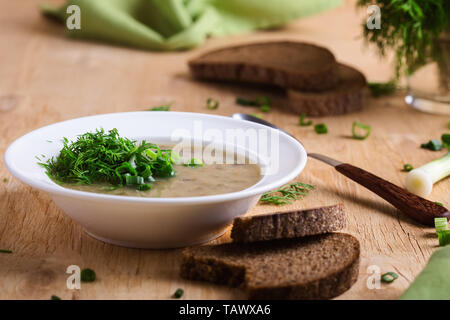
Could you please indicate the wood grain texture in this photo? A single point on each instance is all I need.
(46, 78)
(422, 210)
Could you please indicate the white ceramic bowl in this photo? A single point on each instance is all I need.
(156, 222)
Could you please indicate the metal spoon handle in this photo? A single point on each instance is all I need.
(419, 209)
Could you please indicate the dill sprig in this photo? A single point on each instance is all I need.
(99, 157)
(286, 194)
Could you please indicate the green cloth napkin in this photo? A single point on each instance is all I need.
(433, 283)
(180, 24)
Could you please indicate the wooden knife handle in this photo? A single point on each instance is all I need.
(419, 209)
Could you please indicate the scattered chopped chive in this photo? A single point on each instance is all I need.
(178, 293)
(440, 224)
(88, 275)
(134, 180)
(164, 107)
(256, 115)
(5, 251)
(389, 277)
(444, 237)
(53, 297)
(194, 162)
(301, 121)
(257, 102)
(321, 128)
(433, 145)
(5, 180)
(358, 125)
(407, 167)
(378, 89)
(446, 140)
(264, 108)
(286, 194)
(439, 203)
(212, 104)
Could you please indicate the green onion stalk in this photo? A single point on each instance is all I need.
(420, 181)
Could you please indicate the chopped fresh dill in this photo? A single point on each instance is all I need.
(212, 104)
(302, 122)
(164, 107)
(88, 275)
(286, 194)
(99, 157)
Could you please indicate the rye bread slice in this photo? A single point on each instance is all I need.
(292, 224)
(316, 267)
(348, 96)
(286, 64)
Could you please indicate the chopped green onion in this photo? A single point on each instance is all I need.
(134, 180)
(5, 251)
(88, 275)
(446, 140)
(212, 104)
(175, 157)
(440, 224)
(165, 107)
(257, 102)
(439, 203)
(178, 293)
(5, 180)
(301, 121)
(407, 167)
(53, 297)
(363, 126)
(245, 102)
(144, 187)
(194, 162)
(264, 108)
(444, 237)
(389, 277)
(321, 128)
(433, 145)
(420, 180)
(256, 115)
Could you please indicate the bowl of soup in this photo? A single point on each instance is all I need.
(187, 175)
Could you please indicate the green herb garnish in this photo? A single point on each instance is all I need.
(257, 102)
(378, 89)
(389, 277)
(212, 104)
(101, 157)
(5, 180)
(439, 203)
(444, 237)
(264, 108)
(321, 128)
(256, 115)
(433, 145)
(446, 140)
(5, 251)
(440, 224)
(407, 167)
(286, 194)
(53, 297)
(194, 162)
(358, 125)
(301, 121)
(164, 107)
(178, 293)
(88, 275)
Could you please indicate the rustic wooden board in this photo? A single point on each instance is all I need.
(46, 78)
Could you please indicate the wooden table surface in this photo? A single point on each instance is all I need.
(45, 78)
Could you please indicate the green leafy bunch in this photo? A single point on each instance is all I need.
(410, 28)
(99, 157)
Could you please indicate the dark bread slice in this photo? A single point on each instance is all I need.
(316, 267)
(286, 64)
(291, 224)
(348, 96)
